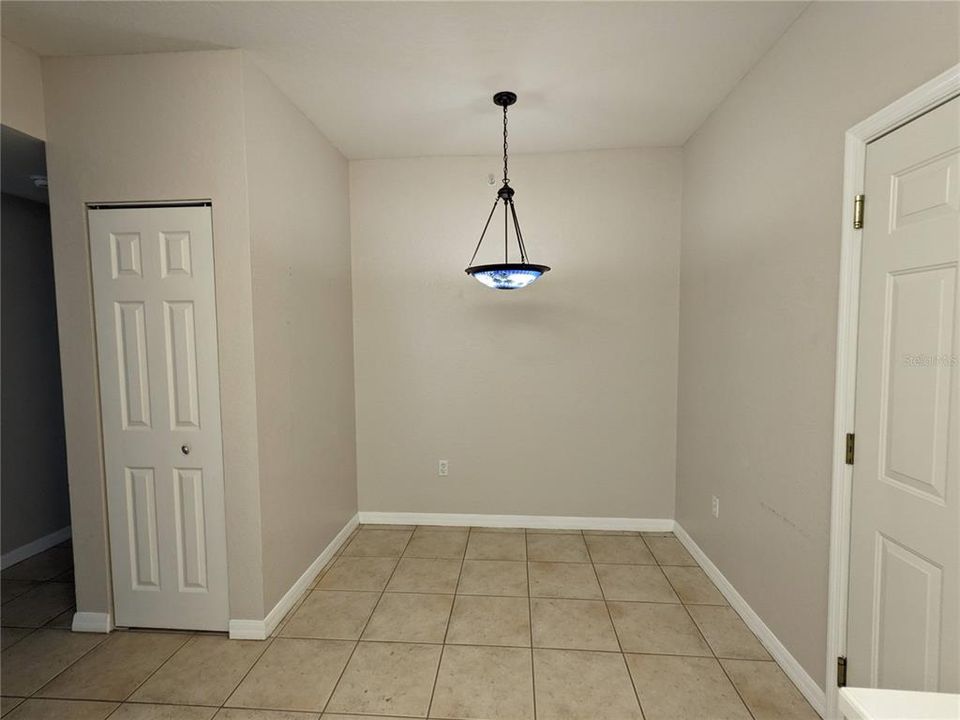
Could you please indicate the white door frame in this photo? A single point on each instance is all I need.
(926, 97)
(105, 622)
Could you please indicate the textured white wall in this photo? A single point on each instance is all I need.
(21, 90)
(153, 127)
(758, 298)
(556, 400)
(303, 333)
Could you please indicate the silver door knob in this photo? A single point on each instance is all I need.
(185, 449)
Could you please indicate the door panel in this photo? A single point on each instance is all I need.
(160, 406)
(914, 424)
(133, 379)
(904, 602)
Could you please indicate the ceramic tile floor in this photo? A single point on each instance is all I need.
(420, 622)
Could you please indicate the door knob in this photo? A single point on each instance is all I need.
(185, 449)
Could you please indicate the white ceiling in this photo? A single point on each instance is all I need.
(400, 79)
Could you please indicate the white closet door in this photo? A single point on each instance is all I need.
(160, 404)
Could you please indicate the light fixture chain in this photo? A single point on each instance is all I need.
(506, 179)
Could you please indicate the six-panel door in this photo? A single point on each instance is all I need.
(160, 404)
(904, 602)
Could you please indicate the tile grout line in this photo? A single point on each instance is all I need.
(269, 640)
(446, 631)
(189, 637)
(613, 625)
(709, 646)
(356, 644)
(70, 665)
(533, 665)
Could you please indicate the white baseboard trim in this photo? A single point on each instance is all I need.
(261, 629)
(540, 522)
(34, 548)
(806, 684)
(90, 622)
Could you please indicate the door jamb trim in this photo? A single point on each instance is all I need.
(915, 103)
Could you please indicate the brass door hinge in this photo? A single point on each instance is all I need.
(841, 672)
(851, 446)
(858, 212)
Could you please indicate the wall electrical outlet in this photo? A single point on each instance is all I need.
(715, 507)
(443, 468)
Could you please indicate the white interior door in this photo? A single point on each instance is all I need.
(903, 630)
(160, 404)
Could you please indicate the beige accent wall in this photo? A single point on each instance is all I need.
(303, 333)
(758, 298)
(153, 127)
(21, 90)
(557, 400)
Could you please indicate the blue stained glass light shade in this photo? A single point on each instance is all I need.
(507, 276)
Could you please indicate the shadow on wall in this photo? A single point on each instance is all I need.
(33, 467)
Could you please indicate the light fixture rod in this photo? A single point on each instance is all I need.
(480, 241)
(516, 226)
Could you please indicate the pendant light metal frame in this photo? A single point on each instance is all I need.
(505, 194)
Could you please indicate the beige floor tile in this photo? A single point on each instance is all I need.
(293, 674)
(557, 547)
(657, 628)
(669, 551)
(564, 580)
(246, 714)
(493, 577)
(203, 672)
(409, 617)
(387, 678)
(338, 716)
(38, 606)
(9, 589)
(425, 575)
(9, 636)
(436, 544)
(611, 533)
(572, 625)
(577, 685)
(375, 526)
(693, 586)
(116, 667)
(377, 543)
(497, 546)
(136, 711)
(63, 621)
(514, 530)
(441, 528)
(293, 610)
(484, 683)
(35, 660)
(727, 634)
(767, 691)
(43, 566)
(619, 549)
(553, 531)
(684, 688)
(331, 615)
(8, 703)
(37, 709)
(490, 621)
(358, 574)
(640, 583)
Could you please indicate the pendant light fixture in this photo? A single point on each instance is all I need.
(506, 275)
